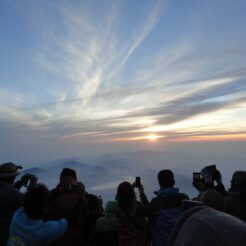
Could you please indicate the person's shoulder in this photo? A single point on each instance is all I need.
(183, 196)
(14, 195)
(19, 214)
(53, 225)
(54, 190)
(100, 223)
(49, 231)
(55, 193)
(154, 200)
(10, 189)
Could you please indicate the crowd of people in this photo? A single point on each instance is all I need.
(69, 215)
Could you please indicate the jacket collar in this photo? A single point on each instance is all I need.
(167, 191)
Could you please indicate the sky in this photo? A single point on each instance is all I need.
(85, 77)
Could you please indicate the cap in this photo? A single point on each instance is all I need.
(9, 169)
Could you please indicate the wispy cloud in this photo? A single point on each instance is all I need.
(91, 54)
(147, 27)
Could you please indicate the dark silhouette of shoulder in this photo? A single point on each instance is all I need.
(166, 202)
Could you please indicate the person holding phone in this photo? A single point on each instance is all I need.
(131, 217)
(209, 178)
(143, 198)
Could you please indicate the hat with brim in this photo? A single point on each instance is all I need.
(9, 169)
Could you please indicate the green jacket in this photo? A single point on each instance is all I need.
(109, 221)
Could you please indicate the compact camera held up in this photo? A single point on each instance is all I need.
(27, 180)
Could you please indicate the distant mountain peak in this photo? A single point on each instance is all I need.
(33, 170)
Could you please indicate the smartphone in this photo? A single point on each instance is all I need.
(138, 182)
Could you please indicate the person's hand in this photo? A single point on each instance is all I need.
(199, 185)
(134, 185)
(218, 177)
(33, 180)
(24, 179)
(81, 189)
(141, 189)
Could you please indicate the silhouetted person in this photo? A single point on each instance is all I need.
(236, 197)
(203, 226)
(10, 197)
(68, 177)
(27, 226)
(69, 198)
(106, 232)
(209, 178)
(68, 201)
(130, 217)
(165, 209)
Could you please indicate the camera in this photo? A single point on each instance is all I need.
(29, 180)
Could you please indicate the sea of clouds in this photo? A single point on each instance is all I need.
(102, 174)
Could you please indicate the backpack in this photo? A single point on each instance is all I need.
(168, 210)
(163, 223)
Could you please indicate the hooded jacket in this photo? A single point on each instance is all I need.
(108, 222)
(26, 231)
(106, 227)
(165, 209)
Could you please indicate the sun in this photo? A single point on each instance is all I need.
(152, 137)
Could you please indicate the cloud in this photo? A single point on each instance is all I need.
(147, 27)
(90, 54)
(96, 85)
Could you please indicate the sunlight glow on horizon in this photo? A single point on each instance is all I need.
(149, 138)
(153, 137)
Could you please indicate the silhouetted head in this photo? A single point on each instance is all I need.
(8, 172)
(68, 172)
(36, 201)
(125, 195)
(238, 182)
(166, 178)
(111, 208)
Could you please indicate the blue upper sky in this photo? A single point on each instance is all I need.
(82, 73)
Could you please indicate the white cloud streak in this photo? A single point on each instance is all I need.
(93, 91)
